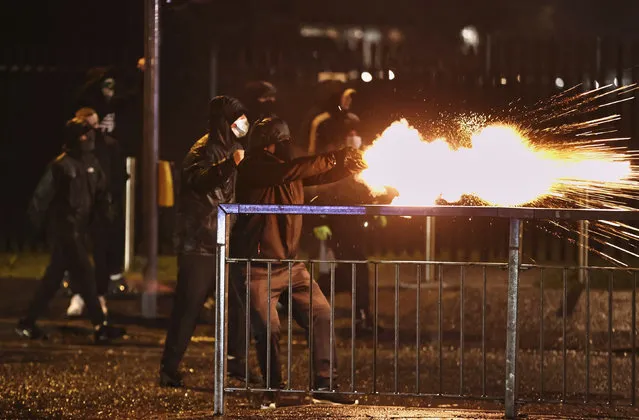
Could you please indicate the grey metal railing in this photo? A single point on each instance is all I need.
(514, 266)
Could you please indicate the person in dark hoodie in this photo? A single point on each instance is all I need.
(79, 196)
(108, 235)
(329, 126)
(208, 179)
(270, 176)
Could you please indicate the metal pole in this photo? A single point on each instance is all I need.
(221, 282)
(129, 214)
(514, 262)
(430, 248)
(584, 244)
(150, 154)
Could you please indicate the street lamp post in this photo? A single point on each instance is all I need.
(150, 154)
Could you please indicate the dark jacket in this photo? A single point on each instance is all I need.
(265, 179)
(207, 180)
(80, 193)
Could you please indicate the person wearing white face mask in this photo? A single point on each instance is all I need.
(208, 179)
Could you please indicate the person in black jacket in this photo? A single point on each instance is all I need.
(269, 176)
(79, 196)
(208, 179)
(108, 235)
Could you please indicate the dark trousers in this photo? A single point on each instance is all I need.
(346, 250)
(108, 251)
(69, 254)
(196, 276)
(264, 301)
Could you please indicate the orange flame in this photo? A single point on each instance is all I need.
(501, 167)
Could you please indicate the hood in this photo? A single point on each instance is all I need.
(257, 109)
(269, 131)
(223, 111)
(74, 129)
(335, 100)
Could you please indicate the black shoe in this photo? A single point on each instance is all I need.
(171, 379)
(30, 330)
(324, 396)
(107, 333)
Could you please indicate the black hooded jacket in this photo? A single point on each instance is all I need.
(208, 179)
(263, 178)
(79, 186)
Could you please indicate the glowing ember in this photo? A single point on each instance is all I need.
(501, 167)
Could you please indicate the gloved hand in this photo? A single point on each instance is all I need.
(322, 232)
(351, 159)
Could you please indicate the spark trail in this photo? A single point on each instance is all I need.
(561, 152)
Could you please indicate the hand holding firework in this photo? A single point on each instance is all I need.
(351, 159)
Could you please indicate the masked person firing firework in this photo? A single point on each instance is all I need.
(269, 176)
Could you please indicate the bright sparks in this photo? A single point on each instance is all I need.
(501, 167)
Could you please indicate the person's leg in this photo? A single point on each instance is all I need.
(236, 320)
(321, 321)
(195, 275)
(83, 279)
(49, 284)
(101, 237)
(264, 301)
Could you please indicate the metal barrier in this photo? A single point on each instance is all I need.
(514, 265)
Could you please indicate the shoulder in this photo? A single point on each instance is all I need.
(64, 165)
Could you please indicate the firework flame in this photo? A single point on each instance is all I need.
(501, 167)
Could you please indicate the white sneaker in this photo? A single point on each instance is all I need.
(103, 305)
(76, 306)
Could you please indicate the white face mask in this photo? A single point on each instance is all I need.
(240, 127)
(354, 141)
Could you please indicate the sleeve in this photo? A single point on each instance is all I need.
(266, 174)
(334, 175)
(204, 176)
(41, 199)
(103, 200)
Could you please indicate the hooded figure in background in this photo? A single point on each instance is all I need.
(108, 235)
(260, 99)
(79, 197)
(208, 179)
(329, 126)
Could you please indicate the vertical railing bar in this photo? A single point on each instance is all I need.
(353, 329)
(310, 329)
(268, 325)
(483, 334)
(610, 288)
(439, 327)
(514, 263)
(563, 334)
(289, 360)
(376, 320)
(418, 329)
(587, 277)
(462, 275)
(396, 350)
(331, 340)
(247, 325)
(221, 284)
(633, 337)
(541, 335)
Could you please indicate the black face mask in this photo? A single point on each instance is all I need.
(88, 145)
(284, 150)
(265, 109)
